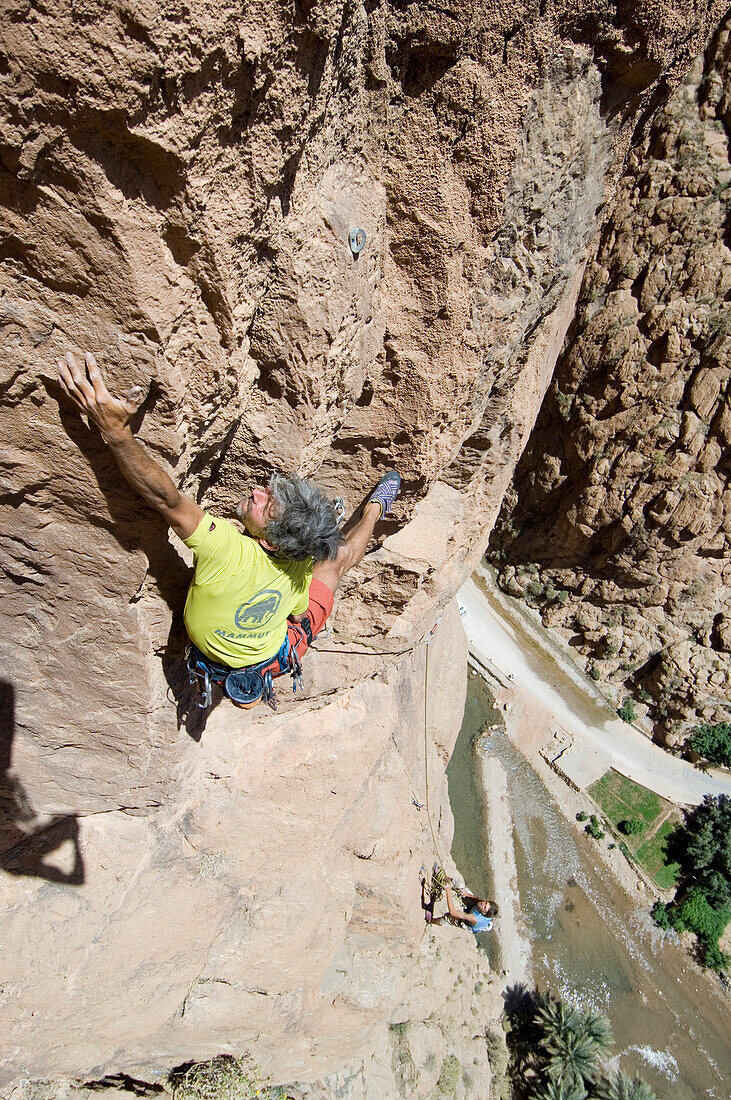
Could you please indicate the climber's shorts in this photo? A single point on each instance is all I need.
(320, 606)
(318, 612)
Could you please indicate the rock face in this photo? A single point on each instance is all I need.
(273, 906)
(443, 1039)
(178, 185)
(619, 521)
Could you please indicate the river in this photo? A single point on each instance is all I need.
(590, 944)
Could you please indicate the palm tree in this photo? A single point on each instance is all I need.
(554, 1016)
(559, 1090)
(599, 1030)
(572, 1041)
(571, 1057)
(524, 1033)
(622, 1087)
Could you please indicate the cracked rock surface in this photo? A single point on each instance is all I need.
(618, 523)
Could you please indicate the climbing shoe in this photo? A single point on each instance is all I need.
(386, 491)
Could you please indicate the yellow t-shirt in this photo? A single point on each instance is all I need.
(237, 606)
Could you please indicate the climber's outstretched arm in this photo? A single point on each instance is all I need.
(86, 388)
(463, 918)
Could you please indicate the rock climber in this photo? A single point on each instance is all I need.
(257, 600)
(477, 913)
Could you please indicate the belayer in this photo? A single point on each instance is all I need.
(256, 600)
(477, 913)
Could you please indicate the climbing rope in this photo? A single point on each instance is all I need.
(337, 635)
(414, 798)
(437, 853)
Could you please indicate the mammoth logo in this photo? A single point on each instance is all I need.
(260, 611)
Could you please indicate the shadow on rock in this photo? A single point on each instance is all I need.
(24, 844)
(181, 691)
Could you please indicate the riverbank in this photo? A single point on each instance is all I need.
(587, 923)
(513, 945)
(518, 654)
(528, 725)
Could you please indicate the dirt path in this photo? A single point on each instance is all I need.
(520, 655)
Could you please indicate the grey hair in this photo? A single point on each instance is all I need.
(306, 525)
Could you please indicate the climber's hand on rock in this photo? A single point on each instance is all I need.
(86, 388)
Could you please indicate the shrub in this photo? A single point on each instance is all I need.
(715, 959)
(498, 1055)
(631, 826)
(697, 915)
(595, 673)
(582, 815)
(223, 1078)
(713, 743)
(449, 1075)
(594, 828)
(627, 711)
(659, 914)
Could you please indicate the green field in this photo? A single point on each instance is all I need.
(621, 799)
(651, 855)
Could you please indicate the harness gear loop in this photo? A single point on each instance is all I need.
(253, 682)
(268, 695)
(200, 677)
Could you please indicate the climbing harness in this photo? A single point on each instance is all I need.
(255, 682)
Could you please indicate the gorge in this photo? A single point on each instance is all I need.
(178, 185)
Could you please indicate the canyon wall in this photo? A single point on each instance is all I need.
(178, 185)
(618, 523)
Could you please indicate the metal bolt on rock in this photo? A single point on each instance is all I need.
(357, 239)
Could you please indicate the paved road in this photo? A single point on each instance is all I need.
(504, 640)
